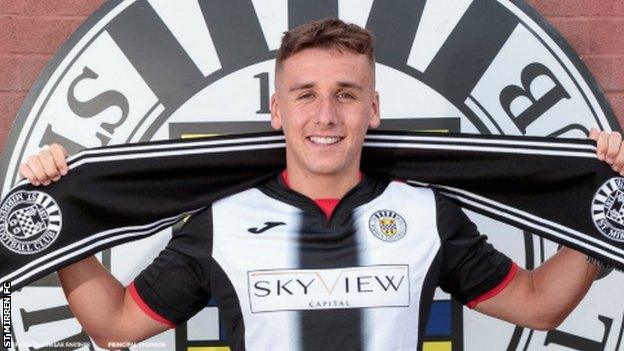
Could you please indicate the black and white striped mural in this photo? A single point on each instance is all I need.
(140, 70)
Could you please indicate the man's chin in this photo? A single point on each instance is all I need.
(328, 170)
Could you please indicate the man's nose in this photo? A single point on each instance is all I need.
(327, 112)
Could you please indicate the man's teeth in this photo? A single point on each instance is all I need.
(325, 140)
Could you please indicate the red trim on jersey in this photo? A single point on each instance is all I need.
(327, 205)
(497, 289)
(150, 312)
(285, 178)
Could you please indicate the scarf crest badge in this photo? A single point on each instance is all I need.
(608, 209)
(30, 221)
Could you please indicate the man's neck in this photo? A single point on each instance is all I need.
(322, 186)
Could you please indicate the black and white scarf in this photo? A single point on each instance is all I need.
(555, 188)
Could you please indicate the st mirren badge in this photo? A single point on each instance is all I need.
(387, 225)
(30, 221)
(608, 209)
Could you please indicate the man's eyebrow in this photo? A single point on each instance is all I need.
(308, 85)
(301, 86)
(346, 84)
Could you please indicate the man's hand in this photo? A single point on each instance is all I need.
(609, 148)
(46, 167)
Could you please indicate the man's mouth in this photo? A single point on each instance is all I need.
(324, 140)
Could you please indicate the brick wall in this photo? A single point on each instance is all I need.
(32, 30)
(595, 29)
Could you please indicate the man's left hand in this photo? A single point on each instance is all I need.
(609, 148)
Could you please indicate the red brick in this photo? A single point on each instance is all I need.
(9, 105)
(9, 73)
(579, 7)
(11, 6)
(617, 103)
(29, 69)
(608, 71)
(607, 36)
(61, 7)
(34, 35)
(7, 33)
(575, 31)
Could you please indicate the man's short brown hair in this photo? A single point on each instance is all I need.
(328, 33)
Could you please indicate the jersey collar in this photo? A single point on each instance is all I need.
(367, 189)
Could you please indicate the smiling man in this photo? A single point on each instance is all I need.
(323, 256)
(325, 101)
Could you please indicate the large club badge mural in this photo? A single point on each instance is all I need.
(140, 70)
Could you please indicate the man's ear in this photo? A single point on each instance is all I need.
(375, 119)
(276, 117)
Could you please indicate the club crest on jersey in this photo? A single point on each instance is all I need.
(608, 209)
(30, 221)
(387, 225)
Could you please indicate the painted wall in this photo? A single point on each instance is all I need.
(31, 31)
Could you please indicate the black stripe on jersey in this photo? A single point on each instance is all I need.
(229, 306)
(314, 252)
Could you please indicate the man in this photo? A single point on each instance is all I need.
(342, 261)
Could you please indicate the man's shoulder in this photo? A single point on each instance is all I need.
(241, 196)
(410, 187)
(406, 195)
(417, 193)
(264, 195)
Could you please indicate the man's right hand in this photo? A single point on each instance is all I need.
(46, 167)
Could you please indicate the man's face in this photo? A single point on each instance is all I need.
(324, 101)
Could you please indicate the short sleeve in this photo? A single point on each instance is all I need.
(175, 286)
(471, 267)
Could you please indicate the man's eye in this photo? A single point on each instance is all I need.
(345, 95)
(306, 96)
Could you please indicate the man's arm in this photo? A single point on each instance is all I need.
(543, 298)
(102, 305)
